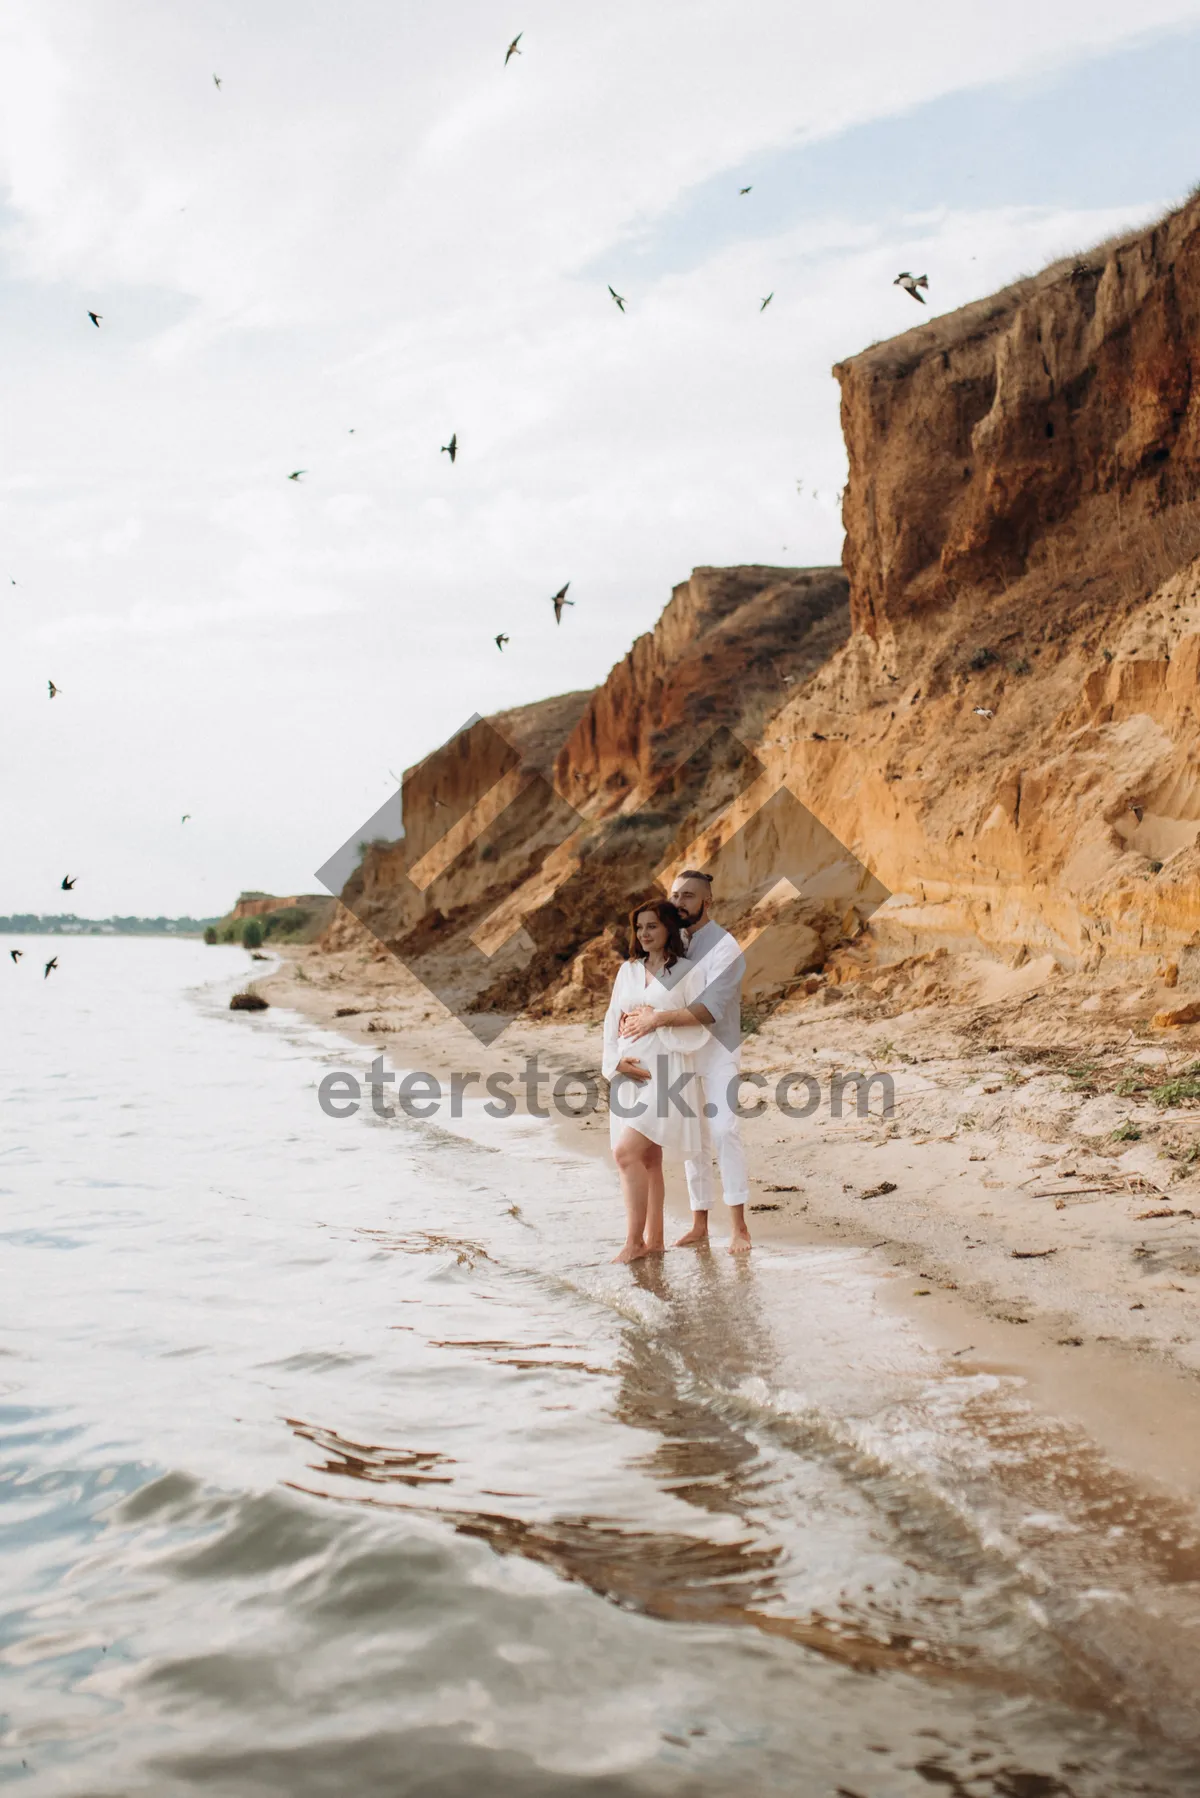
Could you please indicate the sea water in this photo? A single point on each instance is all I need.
(335, 1458)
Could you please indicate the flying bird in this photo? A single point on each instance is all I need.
(617, 297)
(559, 601)
(296, 473)
(217, 80)
(743, 190)
(68, 883)
(16, 954)
(95, 318)
(53, 689)
(185, 817)
(984, 711)
(767, 301)
(500, 641)
(451, 449)
(512, 48)
(49, 967)
(910, 283)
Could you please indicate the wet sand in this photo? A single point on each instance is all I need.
(1015, 1232)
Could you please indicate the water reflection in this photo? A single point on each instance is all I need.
(371, 1462)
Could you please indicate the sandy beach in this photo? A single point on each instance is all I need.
(1032, 1214)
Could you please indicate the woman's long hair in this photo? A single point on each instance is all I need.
(666, 913)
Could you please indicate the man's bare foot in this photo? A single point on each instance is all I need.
(739, 1242)
(633, 1251)
(692, 1238)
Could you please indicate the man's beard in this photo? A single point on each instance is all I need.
(689, 918)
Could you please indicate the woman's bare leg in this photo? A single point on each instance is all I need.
(634, 1155)
(655, 1198)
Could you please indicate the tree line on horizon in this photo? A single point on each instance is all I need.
(67, 924)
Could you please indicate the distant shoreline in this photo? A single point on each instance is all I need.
(28, 924)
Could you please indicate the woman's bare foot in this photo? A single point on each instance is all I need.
(655, 1246)
(697, 1235)
(633, 1251)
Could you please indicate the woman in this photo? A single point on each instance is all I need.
(651, 1106)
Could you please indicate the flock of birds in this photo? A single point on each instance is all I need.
(67, 885)
(911, 284)
(559, 599)
(16, 955)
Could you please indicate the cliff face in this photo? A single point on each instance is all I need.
(1021, 535)
(1049, 431)
(727, 647)
(454, 842)
(531, 834)
(1008, 737)
(261, 905)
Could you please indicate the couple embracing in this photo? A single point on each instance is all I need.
(672, 1052)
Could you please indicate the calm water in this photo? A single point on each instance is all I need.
(336, 1459)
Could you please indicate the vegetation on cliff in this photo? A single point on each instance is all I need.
(260, 918)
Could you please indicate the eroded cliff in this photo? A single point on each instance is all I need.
(531, 834)
(1004, 731)
(1020, 696)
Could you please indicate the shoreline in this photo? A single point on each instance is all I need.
(1094, 1307)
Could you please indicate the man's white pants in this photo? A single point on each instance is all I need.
(720, 1140)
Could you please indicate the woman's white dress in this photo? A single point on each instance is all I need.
(665, 1107)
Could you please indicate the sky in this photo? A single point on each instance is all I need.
(375, 233)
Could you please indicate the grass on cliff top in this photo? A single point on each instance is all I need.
(291, 924)
(937, 333)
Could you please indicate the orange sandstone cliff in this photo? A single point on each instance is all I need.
(984, 734)
(530, 834)
(1022, 531)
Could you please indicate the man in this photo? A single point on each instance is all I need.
(717, 1064)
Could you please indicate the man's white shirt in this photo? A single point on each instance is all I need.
(717, 968)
